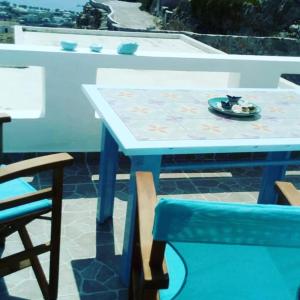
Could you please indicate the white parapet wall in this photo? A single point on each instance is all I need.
(65, 121)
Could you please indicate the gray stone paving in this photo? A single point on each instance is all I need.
(129, 15)
(90, 253)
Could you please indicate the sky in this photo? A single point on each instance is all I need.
(62, 4)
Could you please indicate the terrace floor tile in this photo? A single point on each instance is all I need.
(90, 253)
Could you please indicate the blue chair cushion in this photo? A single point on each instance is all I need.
(18, 187)
(216, 250)
(231, 272)
(177, 273)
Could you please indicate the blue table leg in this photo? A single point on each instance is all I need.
(107, 180)
(138, 163)
(267, 193)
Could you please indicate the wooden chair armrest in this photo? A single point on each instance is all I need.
(29, 166)
(288, 194)
(152, 252)
(4, 118)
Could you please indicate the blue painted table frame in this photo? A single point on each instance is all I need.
(147, 156)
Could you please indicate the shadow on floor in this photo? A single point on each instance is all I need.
(97, 278)
(4, 294)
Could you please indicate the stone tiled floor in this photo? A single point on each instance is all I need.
(90, 253)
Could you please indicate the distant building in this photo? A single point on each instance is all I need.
(36, 16)
(4, 15)
(31, 19)
(6, 29)
(58, 21)
(19, 10)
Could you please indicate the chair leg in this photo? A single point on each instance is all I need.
(2, 242)
(54, 267)
(37, 268)
(151, 295)
(55, 233)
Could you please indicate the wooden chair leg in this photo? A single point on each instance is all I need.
(151, 295)
(136, 288)
(3, 119)
(54, 265)
(1, 143)
(2, 242)
(55, 232)
(36, 265)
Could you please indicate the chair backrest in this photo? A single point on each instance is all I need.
(226, 223)
(3, 119)
(215, 250)
(229, 250)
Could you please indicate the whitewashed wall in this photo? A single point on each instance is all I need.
(68, 122)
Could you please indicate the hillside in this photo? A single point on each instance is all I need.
(242, 17)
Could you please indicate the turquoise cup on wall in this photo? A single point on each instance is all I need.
(127, 48)
(68, 45)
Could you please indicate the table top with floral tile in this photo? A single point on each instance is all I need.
(177, 121)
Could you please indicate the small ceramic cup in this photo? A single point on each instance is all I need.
(68, 45)
(127, 48)
(96, 48)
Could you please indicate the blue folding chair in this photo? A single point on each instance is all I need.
(20, 204)
(186, 249)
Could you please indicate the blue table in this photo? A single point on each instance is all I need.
(147, 123)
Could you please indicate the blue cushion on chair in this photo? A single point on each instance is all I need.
(177, 273)
(232, 272)
(221, 251)
(18, 187)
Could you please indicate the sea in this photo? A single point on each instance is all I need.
(74, 5)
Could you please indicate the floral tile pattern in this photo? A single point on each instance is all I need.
(156, 115)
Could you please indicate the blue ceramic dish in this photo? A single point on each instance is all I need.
(216, 104)
(127, 48)
(68, 45)
(96, 48)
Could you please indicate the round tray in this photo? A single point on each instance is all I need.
(215, 104)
